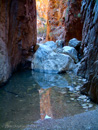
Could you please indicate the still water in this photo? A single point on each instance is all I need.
(32, 96)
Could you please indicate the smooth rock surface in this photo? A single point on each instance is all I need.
(74, 43)
(71, 52)
(83, 121)
(46, 60)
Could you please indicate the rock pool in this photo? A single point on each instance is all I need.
(31, 96)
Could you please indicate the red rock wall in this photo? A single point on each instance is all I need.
(73, 25)
(55, 27)
(64, 19)
(22, 30)
(18, 29)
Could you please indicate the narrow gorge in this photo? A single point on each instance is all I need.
(48, 64)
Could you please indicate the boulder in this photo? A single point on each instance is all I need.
(60, 43)
(51, 44)
(46, 60)
(74, 43)
(71, 51)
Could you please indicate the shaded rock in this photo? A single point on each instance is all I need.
(89, 47)
(77, 67)
(17, 33)
(74, 43)
(4, 63)
(73, 24)
(60, 43)
(46, 60)
(71, 52)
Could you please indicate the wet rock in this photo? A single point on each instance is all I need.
(71, 52)
(46, 60)
(74, 43)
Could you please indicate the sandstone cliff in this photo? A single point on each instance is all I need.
(55, 23)
(89, 64)
(17, 34)
(64, 20)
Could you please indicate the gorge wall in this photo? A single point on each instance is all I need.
(64, 20)
(89, 63)
(17, 34)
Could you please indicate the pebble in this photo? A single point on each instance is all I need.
(74, 83)
(62, 92)
(90, 105)
(82, 97)
(71, 89)
(84, 80)
(72, 99)
(85, 106)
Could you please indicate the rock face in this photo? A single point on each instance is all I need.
(73, 25)
(55, 20)
(17, 32)
(64, 20)
(89, 64)
(42, 6)
(4, 63)
(46, 59)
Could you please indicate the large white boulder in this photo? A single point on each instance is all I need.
(46, 60)
(71, 51)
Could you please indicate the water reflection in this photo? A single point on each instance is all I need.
(56, 103)
(19, 102)
(29, 97)
(45, 103)
(45, 80)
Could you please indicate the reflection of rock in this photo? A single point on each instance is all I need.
(55, 104)
(45, 103)
(47, 80)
